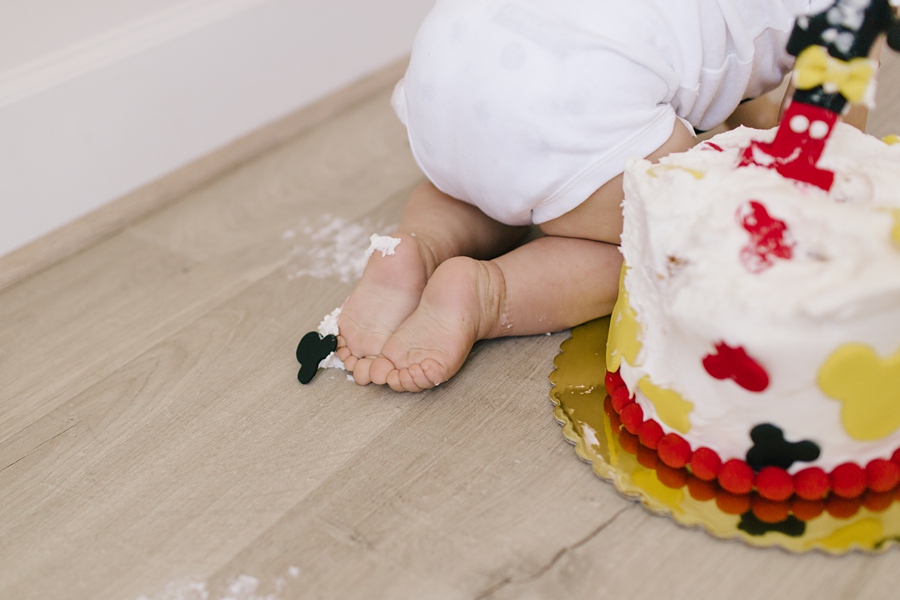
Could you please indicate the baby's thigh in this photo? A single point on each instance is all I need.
(599, 217)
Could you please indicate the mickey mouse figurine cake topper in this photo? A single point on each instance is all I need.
(831, 72)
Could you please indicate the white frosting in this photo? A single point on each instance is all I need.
(385, 244)
(687, 284)
(329, 326)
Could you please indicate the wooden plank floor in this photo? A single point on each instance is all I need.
(155, 444)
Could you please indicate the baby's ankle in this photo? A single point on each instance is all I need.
(480, 287)
(496, 319)
(426, 247)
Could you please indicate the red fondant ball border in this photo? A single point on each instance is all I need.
(768, 511)
(848, 480)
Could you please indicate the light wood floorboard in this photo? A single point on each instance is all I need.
(154, 441)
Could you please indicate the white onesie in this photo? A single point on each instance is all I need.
(525, 107)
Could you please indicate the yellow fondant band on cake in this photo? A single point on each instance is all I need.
(671, 408)
(624, 331)
(868, 388)
(891, 139)
(816, 67)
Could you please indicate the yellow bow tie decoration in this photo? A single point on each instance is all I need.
(851, 78)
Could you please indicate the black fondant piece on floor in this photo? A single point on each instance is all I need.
(312, 350)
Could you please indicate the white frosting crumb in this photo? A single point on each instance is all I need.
(243, 588)
(332, 362)
(330, 246)
(329, 326)
(385, 244)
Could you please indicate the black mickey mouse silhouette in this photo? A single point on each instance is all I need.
(771, 449)
(753, 525)
(312, 350)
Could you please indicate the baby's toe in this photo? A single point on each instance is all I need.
(408, 382)
(349, 362)
(434, 371)
(393, 381)
(419, 378)
(380, 369)
(361, 370)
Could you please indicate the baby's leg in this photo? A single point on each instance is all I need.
(760, 113)
(549, 284)
(552, 283)
(433, 228)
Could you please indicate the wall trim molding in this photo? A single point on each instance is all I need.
(113, 217)
(47, 72)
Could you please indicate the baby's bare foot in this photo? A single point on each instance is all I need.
(387, 293)
(460, 305)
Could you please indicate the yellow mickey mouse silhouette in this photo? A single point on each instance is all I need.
(624, 331)
(895, 231)
(671, 408)
(868, 388)
(655, 169)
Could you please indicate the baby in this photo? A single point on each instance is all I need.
(524, 112)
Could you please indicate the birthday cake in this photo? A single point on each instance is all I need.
(756, 339)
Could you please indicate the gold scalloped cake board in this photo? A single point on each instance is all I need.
(578, 395)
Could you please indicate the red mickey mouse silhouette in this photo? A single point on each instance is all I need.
(736, 364)
(769, 237)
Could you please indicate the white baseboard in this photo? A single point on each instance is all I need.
(83, 127)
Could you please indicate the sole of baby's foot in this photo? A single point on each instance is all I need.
(387, 293)
(460, 305)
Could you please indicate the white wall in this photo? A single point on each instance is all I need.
(34, 29)
(93, 108)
